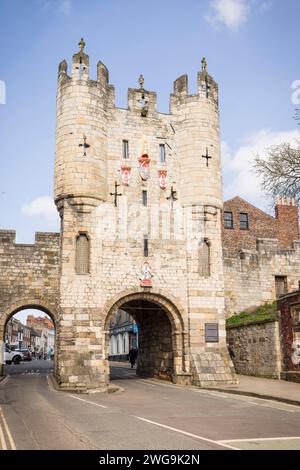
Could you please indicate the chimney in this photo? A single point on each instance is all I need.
(286, 213)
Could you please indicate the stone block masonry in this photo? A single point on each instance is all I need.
(256, 348)
(29, 276)
(98, 146)
(163, 262)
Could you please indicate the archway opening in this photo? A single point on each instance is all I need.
(29, 342)
(148, 326)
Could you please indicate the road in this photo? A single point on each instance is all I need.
(148, 414)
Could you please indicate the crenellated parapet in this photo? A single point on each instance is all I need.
(43, 240)
(29, 274)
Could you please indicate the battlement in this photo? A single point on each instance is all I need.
(48, 239)
(139, 99)
(265, 247)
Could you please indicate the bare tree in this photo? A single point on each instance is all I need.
(280, 171)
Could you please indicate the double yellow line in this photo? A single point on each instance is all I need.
(6, 439)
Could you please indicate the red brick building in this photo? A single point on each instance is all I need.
(245, 223)
(289, 321)
(39, 323)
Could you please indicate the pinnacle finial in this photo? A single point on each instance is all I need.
(204, 64)
(141, 81)
(81, 44)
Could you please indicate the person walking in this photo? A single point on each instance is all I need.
(231, 351)
(133, 353)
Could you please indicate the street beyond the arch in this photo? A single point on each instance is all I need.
(143, 414)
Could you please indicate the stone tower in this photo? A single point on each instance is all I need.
(140, 197)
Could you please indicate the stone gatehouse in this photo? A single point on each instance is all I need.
(139, 194)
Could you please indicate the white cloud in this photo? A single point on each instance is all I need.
(65, 7)
(239, 176)
(231, 13)
(41, 207)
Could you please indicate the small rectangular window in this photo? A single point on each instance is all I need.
(162, 153)
(244, 222)
(146, 251)
(228, 220)
(125, 149)
(145, 199)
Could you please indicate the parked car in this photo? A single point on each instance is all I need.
(27, 356)
(12, 357)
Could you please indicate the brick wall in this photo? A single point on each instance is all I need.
(289, 319)
(284, 227)
(287, 223)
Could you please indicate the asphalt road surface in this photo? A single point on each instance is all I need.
(148, 414)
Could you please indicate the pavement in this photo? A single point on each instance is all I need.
(278, 390)
(148, 415)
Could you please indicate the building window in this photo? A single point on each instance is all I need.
(244, 222)
(82, 254)
(162, 153)
(228, 220)
(125, 149)
(145, 198)
(280, 285)
(204, 258)
(146, 251)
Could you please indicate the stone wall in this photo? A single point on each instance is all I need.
(29, 276)
(289, 318)
(249, 276)
(256, 348)
(85, 179)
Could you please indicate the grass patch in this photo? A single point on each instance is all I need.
(266, 312)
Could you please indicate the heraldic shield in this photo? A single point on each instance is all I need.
(144, 162)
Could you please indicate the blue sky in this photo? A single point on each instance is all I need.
(251, 50)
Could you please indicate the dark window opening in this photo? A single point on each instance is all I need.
(146, 250)
(125, 149)
(244, 222)
(162, 153)
(228, 220)
(145, 198)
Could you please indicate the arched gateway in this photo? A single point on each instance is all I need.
(163, 334)
(140, 199)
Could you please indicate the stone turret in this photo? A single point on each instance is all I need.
(198, 140)
(81, 134)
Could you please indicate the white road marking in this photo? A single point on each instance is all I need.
(194, 436)
(87, 401)
(10, 438)
(4, 381)
(261, 439)
(2, 439)
(245, 398)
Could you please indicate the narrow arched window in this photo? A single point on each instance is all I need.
(82, 254)
(204, 258)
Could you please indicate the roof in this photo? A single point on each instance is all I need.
(240, 199)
